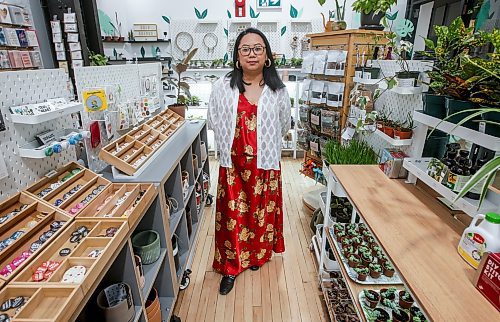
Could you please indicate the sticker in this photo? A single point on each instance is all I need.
(65, 252)
(95, 100)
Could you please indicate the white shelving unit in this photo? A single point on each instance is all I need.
(418, 168)
(34, 150)
(73, 107)
(367, 81)
(485, 140)
(393, 141)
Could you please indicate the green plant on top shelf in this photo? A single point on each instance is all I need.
(296, 62)
(374, 6)
(355, 152)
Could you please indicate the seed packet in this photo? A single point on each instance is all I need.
(317, 92)
(330, 122)
(319, 62)
(332, 62)
(335, 94)
(304, 111)
(306, 90)
(303, 139)
(316, 119)
(308, 62)
(314, 145)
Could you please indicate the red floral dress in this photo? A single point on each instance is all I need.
(249, 215)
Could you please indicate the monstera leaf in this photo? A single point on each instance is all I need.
(404, 28)
(105, 23)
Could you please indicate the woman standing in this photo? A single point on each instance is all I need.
(249, 111)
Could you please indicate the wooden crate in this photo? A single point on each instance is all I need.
(105, 207)
(32, 233)
(96, 239)
(143, 141)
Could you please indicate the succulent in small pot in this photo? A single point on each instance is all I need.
(405, 299)
(375, 270)
(338, 227)
(416, 314)
(388, 269)
(369, 239)
(362, 272)
(353, 260)
(404, 130)
(377, 315)
(340, 235)
(346, 242)
(347, 250)
(356, 240)
(388, 128)
(397, 314)
(388, 293)
(366, 258)
(362, 226)
(362, 249)
(375, 249)
(351, 226)
(352, 232)
(372, 297)
(365, 232)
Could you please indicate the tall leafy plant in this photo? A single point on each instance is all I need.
(180, 82)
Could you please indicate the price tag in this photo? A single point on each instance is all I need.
(314, 146)
(315, 119)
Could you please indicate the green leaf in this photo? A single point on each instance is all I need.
(283, 30)
(167, 19)
(198, 14)
(229, 14)
(204, 14)
(321, 2)
(392, 17)
(253, 14)
(226, 32)
(143, 52)
(293, 12)
(226, 58)
(429, 43)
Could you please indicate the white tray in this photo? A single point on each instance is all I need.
(384, 280)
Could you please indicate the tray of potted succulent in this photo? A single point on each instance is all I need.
(362, 257)
(390, 305)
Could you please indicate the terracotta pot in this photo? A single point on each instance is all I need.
(352, 263)
(121, 39)
(108, 38)
(391, 298)
(405, 304)
(389, 131)
(366, 262)
(362, 277)
(388, 273)
(116, 38)
(374, 274)
(384, 316)
(402, 135)
(152, 301)
(179, 109)
(373, 303)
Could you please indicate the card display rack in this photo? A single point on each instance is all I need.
(131, 151)
(40, 303)
(29, 226)
(92, 235)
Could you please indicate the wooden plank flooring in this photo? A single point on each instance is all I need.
(283, 290)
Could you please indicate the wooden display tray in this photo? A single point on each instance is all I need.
(144, 140)
(44, 304)
(19, 221)
(112, 194)
(54, 177)
(79, 253)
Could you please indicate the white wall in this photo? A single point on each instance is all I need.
(151, 11)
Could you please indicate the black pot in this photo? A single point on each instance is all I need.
(384, 316)
(343, 218)
(492, 129)
(434, 105)
(373, 71)
(454, 106)
(435, 145)
(372, 21)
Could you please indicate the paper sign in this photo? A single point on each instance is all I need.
(95, 100)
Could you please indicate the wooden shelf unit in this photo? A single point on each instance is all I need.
(348, 40)
(420, 238)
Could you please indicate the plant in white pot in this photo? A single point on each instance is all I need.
(180, 83)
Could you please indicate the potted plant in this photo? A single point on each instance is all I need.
(337, 227)
(181, 84)
(356, 241)
(366, 258)
(376, 315)
(388, 269)
(372, 297)
(388, 128)
(382, 259)
(375, 270)
(372, 12)
(375, 249)
(404, 130)
(362, 272)
(405, 299)
(369, 239)
(352, 227)
(353, 261)
(416, 314)
(340, 235)
(346, 242)
(388, 293)
(97, 59)
(347, 250)
(398, 315)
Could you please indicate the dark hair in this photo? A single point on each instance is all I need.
(271, 78)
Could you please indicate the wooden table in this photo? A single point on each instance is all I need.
(421, 241)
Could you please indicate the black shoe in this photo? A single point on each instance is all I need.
(226, 284)
(254, 268)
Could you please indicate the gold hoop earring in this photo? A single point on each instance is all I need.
(268, 63)
(238, 64)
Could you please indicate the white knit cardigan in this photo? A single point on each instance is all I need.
(273, 122)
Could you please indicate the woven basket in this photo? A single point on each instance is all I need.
(146, 245)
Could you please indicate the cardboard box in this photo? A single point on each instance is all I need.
(488, 278)
(391, 163)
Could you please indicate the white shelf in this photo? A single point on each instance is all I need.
(484, 140)
(367, 81)
(407, 90)
(34, 150)
(300, 21)
(37, 119)
(418, 167)
(240, 21)
(274, 22)
(207, 22)
(393, 141)
(322, 202)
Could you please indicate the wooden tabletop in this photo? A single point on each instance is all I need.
(347, 32)
(421, 240)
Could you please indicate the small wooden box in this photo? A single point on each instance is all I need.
(105, 207)
(96, 239)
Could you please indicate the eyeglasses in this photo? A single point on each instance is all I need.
(257, 50)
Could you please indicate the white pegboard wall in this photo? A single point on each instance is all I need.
(27, 87)
(128, 78)
(398, 105)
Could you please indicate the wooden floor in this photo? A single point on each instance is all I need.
(285, 289)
